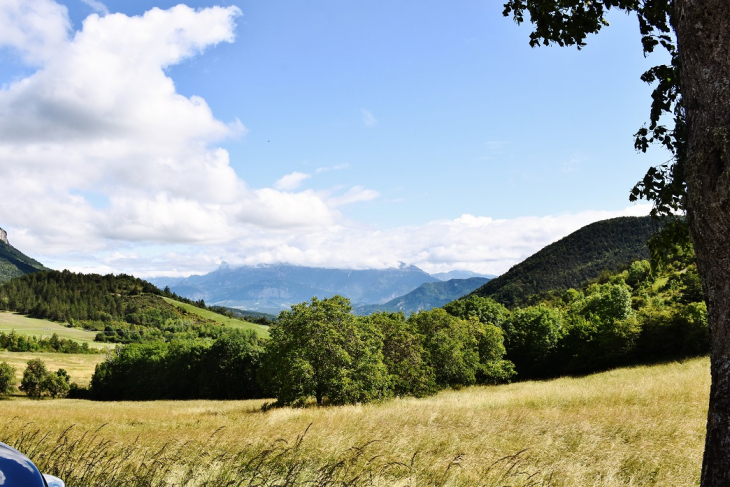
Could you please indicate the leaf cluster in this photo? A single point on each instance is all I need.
(569, 22)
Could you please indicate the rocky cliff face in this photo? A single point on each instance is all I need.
(4, 236)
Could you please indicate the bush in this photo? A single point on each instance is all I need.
(58, 384)
(37, 381)
(7, 379)
(34, 376)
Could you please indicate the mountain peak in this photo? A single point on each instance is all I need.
(4, 236)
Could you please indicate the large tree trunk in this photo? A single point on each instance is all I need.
(703, 31)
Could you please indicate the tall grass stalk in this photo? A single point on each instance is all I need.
(89, 459)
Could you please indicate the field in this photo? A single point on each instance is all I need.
(79, 366)
(633, 426)
(44, 328)
(224, 320)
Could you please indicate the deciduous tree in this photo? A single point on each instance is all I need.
(694, 90)
(320, 350)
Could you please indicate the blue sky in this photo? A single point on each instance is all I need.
(334, 133)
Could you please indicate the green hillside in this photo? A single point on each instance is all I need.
(220, 318)
(567, 263)
(120, 308)
(13, 263)
(34, 327)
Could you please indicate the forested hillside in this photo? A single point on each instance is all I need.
(582, 255)
(13, 263)
(121, 308)
(652, 311)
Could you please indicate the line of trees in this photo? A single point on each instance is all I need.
(317, 351)
(320, 352)
(14, 342)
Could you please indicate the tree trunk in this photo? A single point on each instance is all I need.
(703, 31)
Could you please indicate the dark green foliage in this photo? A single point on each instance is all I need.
(14, 263)
(182, 369)
(123, 309)
(410, 374)
(13, 342)
(231, 366)
(533, 341)
(450, 347)
(646, 313)
(265, 319)
(7, 379)
(462, 352)
(482, 309)
(321, 350)
(567, 263)
(35, 378)
(57, 384)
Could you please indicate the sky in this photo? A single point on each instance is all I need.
(162, 139)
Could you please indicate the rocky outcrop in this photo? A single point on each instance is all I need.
(4, 236)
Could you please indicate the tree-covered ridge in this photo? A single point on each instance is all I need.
(121, 308)
(651, 311)
(572, 260)
(13, 263)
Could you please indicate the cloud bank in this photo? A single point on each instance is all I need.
(105, 167)
(97, 147)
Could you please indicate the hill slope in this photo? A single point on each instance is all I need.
(121, 308)
(572, 260)
(14, 263)
(427, 296)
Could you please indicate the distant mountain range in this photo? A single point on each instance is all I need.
(572, 260)
(14, 263)
(426, 296)
(447, 276)
(273, 288)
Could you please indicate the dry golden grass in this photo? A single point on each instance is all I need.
(634, 426)
(79, 366)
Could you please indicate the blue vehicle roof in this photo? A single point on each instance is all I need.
(17, 470)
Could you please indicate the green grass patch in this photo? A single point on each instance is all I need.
(24, 325)
(222, 319)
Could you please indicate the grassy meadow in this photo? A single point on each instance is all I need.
(79, 366)
(633, 426)
(43, 328)
(219, 318)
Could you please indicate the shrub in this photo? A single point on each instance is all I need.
(7, 378)
(34, 377)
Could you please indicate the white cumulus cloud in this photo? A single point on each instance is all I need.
(100, 115)
(291, 181)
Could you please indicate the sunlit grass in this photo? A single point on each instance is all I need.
(79, 366)
(24, 325)
(634, 426)
(219, 318)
